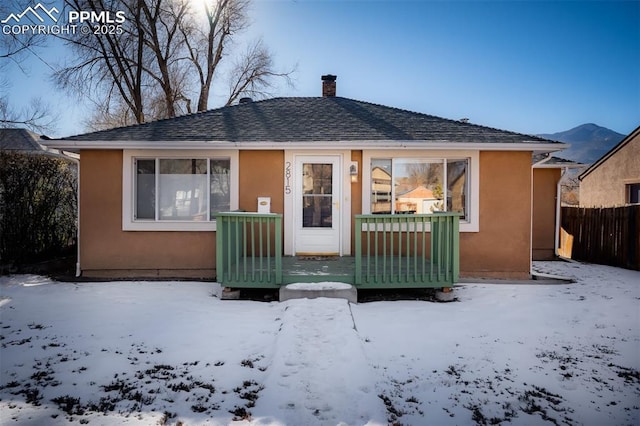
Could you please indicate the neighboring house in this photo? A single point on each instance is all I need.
(614, 180)
(26, 141)
(547, 172)
(22, 140)
(150, 193)
(417, 200)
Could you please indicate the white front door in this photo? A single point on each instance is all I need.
(317, 204)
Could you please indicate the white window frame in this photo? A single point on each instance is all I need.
(129, 223)
(627, 190)
(472, 223)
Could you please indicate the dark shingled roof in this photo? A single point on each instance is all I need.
(19, 140)
(308, 120)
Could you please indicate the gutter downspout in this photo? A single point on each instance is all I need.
(544, 160)
(78, 270)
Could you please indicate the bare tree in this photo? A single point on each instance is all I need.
(168, 56)
(253, 73)
(109, 64)
(14, 49)
(35, 116)
(205, 43)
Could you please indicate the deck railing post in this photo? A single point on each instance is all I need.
(220, 231)
(358, 254)
(278, 252)
(455, 248)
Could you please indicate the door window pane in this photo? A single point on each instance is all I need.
(317, 199)
(316, 212)
(317, 178)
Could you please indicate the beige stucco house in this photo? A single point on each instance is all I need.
(614, 180)
(150, 193)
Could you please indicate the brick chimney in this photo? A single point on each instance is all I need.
(328, 85)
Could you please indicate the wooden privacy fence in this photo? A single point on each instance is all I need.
(608, 236)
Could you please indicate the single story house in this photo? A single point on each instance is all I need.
(335, 172)
(614, 180)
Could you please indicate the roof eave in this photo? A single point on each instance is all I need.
(560, 166)
(536, 146)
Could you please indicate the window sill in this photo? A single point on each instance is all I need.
(165, 226)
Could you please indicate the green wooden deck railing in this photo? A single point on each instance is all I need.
(249, 249)
(399, 251)
(391, 251)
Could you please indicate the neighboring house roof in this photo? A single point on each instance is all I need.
(540, 161)
(23, 140)
(631, 136)
(19, 140)
(283, 121)
(419, 192)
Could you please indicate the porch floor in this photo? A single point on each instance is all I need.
(313, 269)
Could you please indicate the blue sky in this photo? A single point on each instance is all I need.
(526, 66)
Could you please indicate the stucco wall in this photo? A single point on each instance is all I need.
(544, 212)
(606, 185)
(502, 248)
(356, 196)
(107, 250)
(261, 175)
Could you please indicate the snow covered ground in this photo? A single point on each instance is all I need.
(143, 353)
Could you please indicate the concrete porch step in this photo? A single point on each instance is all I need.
(332, 290)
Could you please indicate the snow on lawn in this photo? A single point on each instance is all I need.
(144, 353)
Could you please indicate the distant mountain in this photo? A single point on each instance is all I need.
(588, 142)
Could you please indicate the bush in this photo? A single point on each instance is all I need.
(38, 205)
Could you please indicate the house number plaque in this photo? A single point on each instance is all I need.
(287, 177)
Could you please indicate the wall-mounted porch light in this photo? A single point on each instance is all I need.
(353, 171)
